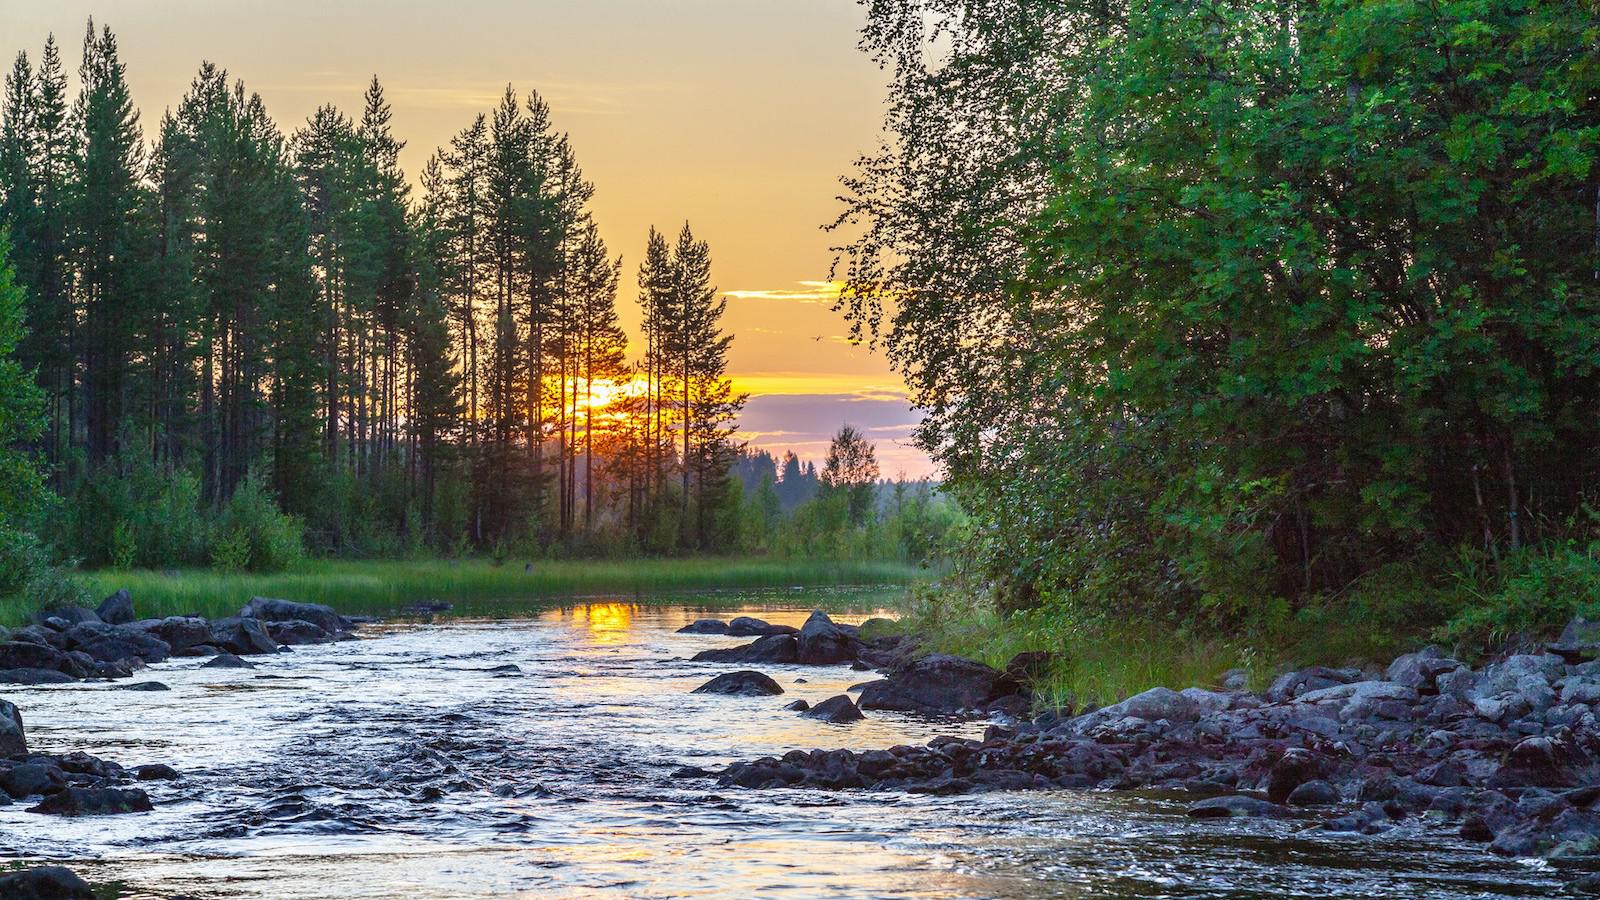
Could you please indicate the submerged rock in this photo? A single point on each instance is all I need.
(705, 626)
(227, 661)
(1236, 806)
(837, 709)
(45, 883)
(76, 801)
(744, 683)
(776, 648)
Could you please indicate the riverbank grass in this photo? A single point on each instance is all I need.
(472, 585)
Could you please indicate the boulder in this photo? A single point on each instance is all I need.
(838, 709)
(180, 632)
(297, 632)
(1290, 685)
(776, 648)
(34, 676)
(745, 626)
(1156, 703)
(1294, 768)
(79, 801)
(705, 626)
(142, 686)
(71, 615)
(743, 683)
(1420, 671)
(821, 642)
(45, 883)
(268, 609)
(1544, 760)
(28, 779)
(1236, 806)
(227, 661)
(1314, 793)
(797, 705)
(155, 772)
(937, 683)
(1579, 641)
(28, 655)
(116, 609)
(13, 738)
(109, 643)
(38, 634)
(242, 635)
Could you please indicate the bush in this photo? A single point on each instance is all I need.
(252, 534)
(1539, 593)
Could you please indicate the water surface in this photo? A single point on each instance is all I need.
(401, 765)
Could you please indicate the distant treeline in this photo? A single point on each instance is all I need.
(225, 307)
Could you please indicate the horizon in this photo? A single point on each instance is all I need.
(666, 131)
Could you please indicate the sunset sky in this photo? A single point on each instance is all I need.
(737, 115)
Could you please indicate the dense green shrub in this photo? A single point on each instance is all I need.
(251, 534)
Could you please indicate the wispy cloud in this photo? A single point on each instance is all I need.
(825, 292)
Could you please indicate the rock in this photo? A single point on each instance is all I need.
(837, 709)
(28, 779)
(821, 642)
(1552, 760)
(227, 661)
(242, 636)
(1420, 671)
(155, 772)
(776, 648)
(745, 626)
(77, 801)
(28, 655)
(71, 615)
(1294, 768)
(45, 883)
(1292, 684)
(744, 684)
(109, 643)
(1030, 667)
(1314, 793)
(797, 705)
(117, 609)
(34, 676)
(38, 634)
(1236, 805)
(937, 683)
(705, 626)
(142, 686)
(1579, 641)
(180, 632)
(270, 610)
(1156, 703)
(298, 632)
(1236, 680)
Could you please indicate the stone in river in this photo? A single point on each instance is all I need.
(745, 626)
(776, 648)
(837, 709)
(705, 626)
(745, 683)
(227, 661)
(76, 801)
(45, 883)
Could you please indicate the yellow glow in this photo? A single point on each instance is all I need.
(608, 623)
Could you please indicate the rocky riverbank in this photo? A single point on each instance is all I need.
(1506, 754)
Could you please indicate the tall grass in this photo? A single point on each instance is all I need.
(384, 586)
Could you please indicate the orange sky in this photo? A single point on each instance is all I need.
(738, 115)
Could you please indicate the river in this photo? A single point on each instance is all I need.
(403, 765)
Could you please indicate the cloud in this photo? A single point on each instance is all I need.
(821, 292)
(806, 423)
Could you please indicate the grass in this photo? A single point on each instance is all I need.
(472, 585)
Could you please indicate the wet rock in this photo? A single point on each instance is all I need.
(155, 772)
(745, 626)
(937, 683)
(77, 801)
(1313, 793)
(1553, 760)
(116, 609)
(797, 705)
(142, 686)
(776, 648)
(34, 676)
(70, 615)
(268, 609)
(1294, 768)
(27, 655)
(821, 642)
(227, 661)
(109, 643)
(38, 634)
(180, 632)
(242, 636)
(28, 779)
(691, 772)
(13, 739)
(837, 709)
(705, 626)
(1236, 805)
(298, 632)
(45, 883)
(744, 684)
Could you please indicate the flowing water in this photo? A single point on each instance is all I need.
(403, 765)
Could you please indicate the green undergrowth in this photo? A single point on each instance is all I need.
(477, 586)
(1471, 605)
